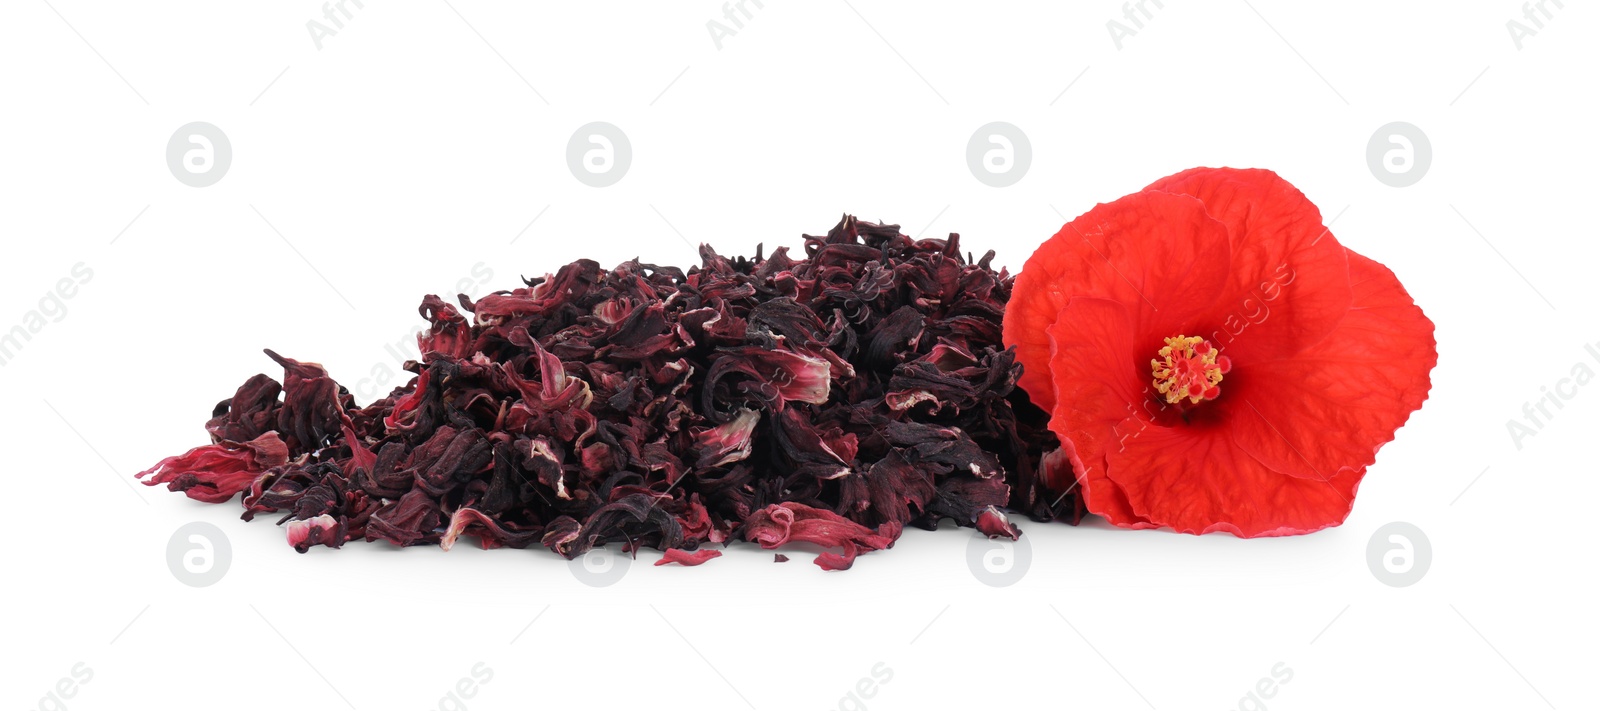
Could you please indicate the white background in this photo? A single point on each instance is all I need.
(423, 138)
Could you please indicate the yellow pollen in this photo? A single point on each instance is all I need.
(1189, 367)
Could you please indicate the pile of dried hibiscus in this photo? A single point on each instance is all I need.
(829, 400)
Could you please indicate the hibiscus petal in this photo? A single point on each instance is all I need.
(1287, 288)
(1099, 395)
(994, 524)
(683, 557)
(322, 530)
(1157, 254)
(729, 442)
(1362, 383)
(1197, 480)
(250, 413)
(791, 522)
(215, 472)
(490, 533)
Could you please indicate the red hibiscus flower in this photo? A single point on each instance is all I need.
(1213, 359)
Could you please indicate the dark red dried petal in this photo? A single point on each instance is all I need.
(250, 413)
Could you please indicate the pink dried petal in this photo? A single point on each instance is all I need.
(490, 534)
(683, 557)
(403, 416)
(449, 337)
(322, 530)
(215, 472)
(994, 524)
(729, 442)
(779, 524)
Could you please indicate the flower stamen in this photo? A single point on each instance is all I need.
(1189, 367)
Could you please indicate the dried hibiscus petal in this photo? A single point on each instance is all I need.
(250, 413)
(214, 473)
(780, 524)
(683, 557)
(322, 530)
